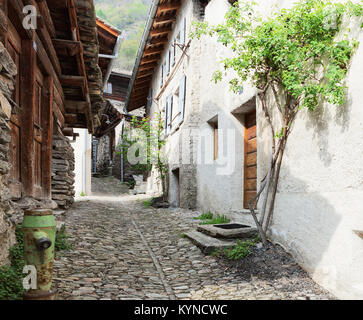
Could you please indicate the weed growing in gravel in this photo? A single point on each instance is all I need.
(241, 250)
(61, 240)
(11, 277)
(183, 235)
(147, 203)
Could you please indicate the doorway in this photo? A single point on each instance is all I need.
(250, 158)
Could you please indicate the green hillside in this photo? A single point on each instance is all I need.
(130, 17)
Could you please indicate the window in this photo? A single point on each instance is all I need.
(108, 88)
(214, 125)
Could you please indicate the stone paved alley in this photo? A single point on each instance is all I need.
(122, 250)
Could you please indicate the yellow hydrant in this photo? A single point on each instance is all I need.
(39, 230)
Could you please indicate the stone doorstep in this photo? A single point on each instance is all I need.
(240, 233)
(208, 244)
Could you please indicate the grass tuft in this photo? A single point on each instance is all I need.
(204, 216)
(147, 203)
(216, 220)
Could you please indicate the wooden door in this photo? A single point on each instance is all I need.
(250, 159)
(38, 136)
(14, 48)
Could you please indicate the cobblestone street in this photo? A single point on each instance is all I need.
(122, 250)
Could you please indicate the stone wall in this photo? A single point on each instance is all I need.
(63, 172)
(103, 155)
(7, 220)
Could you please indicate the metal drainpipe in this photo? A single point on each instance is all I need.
(122, 154)
(113, 58)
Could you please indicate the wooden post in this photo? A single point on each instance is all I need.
(47, 146)
(28, 86)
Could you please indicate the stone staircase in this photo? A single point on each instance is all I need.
(210, 238)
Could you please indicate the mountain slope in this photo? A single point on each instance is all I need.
(130, 17)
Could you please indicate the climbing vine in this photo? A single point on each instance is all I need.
(142, 146)
(297, 58)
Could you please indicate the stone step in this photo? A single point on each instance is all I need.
(228, 231)
(208, 244)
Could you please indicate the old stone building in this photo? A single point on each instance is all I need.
(50, 83)
(217, 142)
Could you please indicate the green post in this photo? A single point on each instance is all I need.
(39, 229)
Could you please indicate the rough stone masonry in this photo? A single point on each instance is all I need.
(7, 225)
(62, 172)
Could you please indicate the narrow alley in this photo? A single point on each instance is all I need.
(122, 250)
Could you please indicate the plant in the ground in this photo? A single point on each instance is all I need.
(147, 203)
(183, 235)
(296, 58)
(61, 240)
(204, 216)
(216, 253)
(241, 250)
(142, 146)
(216, 220)
(11, 277)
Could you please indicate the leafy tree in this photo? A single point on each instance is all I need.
(294, 56)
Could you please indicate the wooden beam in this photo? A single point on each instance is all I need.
(142, 82)
(44, 11)
(71, 119)
(144, 74)
(147, 66)
(73, 20)
(48, 66)
(47, 145)
(28, 83)
(168, 6)
(107, 28)
(166, 18)
(67, 47)
(161, 40)
(150, 59)
(75, 106)
(72, 81)
(149, 51)
(159, 31)
(140, 94)
(68, 132)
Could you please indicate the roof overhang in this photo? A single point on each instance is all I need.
(156, 34)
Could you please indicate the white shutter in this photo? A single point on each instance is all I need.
(182, 31)
(170, 112)
(166, 126)
(161, 76)
(173, 53)
(150, 99)
(167, 71)
(182, 91)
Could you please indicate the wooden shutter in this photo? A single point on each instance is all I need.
(182, 31)
(182, 91)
